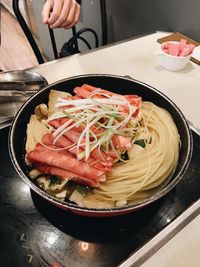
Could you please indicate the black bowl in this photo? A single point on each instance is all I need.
(118, 84)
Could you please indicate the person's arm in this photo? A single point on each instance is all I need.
(61, 13)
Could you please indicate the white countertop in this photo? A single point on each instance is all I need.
(181, 251)
(177, 245)
(134, 58)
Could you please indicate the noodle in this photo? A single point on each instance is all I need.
(147, 167)
(151, 140)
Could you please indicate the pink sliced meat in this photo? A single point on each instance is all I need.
(86, 90)
(81, 93)
(47, 169)
(182, 45)
(89, 88)
(121, 142)
(134, 100)
(72, 134)
(173, 49)
(92, 89)
(84, 93)
(165, 50)
(74, 137)
(187, 50)
(79, 128)
(106, 161)
(178, 49)
(64, 142)
(50, 147)
(165, 46)
(63, 161)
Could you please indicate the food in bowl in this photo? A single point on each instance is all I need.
(178, 49)
(100, 149)
(174, 56)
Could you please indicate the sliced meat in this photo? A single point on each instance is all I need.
(121, 142)
(64, 142)
(47, 169)
(81, 93)
(134, 100)
(71, 134)
(79, 128)
(86, 91)
(63, 161)
(53, 148)
(92, 89)
(74, 137)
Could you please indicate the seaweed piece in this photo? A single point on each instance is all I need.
(140, 142)
(54, 180)
(80, 188)
(125, 156)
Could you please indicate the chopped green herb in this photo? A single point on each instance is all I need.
(83, 190)
(54, 180)
(80, 188)
(71, 184)
(140, 142)
(69, 115)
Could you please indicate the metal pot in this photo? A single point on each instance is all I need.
(118, 84)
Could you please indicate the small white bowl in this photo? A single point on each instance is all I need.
(170, 62)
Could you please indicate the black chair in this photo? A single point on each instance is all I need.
(28, 34)
(69, 47)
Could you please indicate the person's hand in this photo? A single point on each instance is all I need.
(61, 13)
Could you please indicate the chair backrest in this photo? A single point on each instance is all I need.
(29, 36)
(72, 44)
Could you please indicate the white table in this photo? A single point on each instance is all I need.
(135, 58)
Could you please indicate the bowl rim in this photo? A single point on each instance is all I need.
(114, 210)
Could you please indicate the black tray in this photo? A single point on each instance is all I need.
(34, 233)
